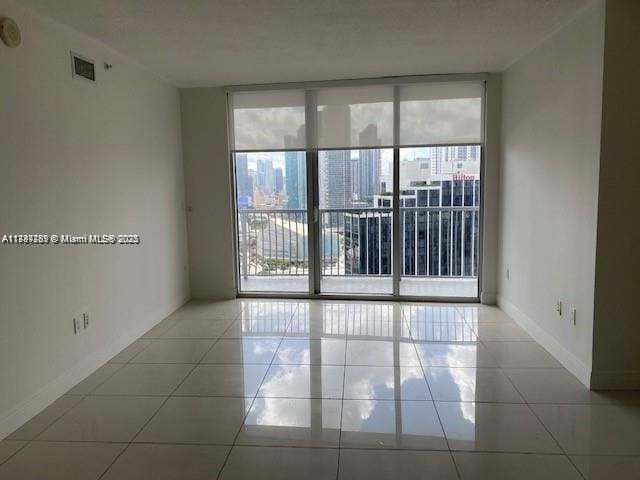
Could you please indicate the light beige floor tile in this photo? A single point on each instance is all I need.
(60, 461)
(94, 380)
(144, 379)
(600, 467)
(103, 419)
(502, 332)
(292, 422)
(385, 383)
(44, 419)
(483, 314)
(174, 351)
(303, 381)
(268, 312)
(556, 385)
(158, 330)
(471, 385)
(9, 448)
(203, 420)
(395, 464)
(521, 355)
(131, 351)
(243, 351)
(168, 462)
(383, 353)
(593, 429)
(454, 355)
(256, 329)
(494, 427)
(391, 424)
(198, 328)
(225, 309)
(371, 328)
(311, 352)
(431, 313)
(442, 332)
(510, 466)
(278, 463)
(223, 380)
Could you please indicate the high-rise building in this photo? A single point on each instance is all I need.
(278, 180)
(435, 242)
(295, 173)
(335, 175)
(366, 179)
(265, 176)
(244, 181)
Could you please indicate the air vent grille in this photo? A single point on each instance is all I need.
(83, 67)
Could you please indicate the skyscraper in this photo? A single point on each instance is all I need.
(367, 178)
(295, 172)
(278, 180)
(266, 176)
(244, 181)
(335, 165)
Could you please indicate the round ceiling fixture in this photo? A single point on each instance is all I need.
(10, 32)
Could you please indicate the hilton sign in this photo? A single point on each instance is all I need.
(463, 176)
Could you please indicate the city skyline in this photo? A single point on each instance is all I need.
(346, 177)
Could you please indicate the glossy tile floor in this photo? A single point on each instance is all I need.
(250, 389)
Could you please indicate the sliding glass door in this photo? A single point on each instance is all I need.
(359, 189)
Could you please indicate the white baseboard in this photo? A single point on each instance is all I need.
(568, 360)
(488, 298)
(23, 412)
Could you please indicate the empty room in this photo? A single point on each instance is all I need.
(319, 239)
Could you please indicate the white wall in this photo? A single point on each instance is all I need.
(80, 158)
(208, 183)
(616, 349)
(491, 186)
(551, 121)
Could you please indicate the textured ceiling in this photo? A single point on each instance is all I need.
(224, 42)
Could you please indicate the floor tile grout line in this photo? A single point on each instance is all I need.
(121, 366)
(446, 439)
(544, 426)
(248, 410)
(26, 444)
(326, 447)
(50, 424)
(344, 379)
(131, 441)
(128, 444)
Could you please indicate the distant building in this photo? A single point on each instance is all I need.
(278, 180)
(244, 182)
(295, 173)
(435, 242)
(335, 175)
(366, 175)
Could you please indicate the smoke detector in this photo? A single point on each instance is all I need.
(10, 32)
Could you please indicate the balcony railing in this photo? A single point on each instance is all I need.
(273, 242)
(435, 242)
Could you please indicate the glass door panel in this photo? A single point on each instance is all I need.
(272, 227)
(439, 221)
(355, 192)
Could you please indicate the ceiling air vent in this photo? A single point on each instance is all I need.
(83, 67)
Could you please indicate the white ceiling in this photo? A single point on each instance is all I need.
(224, 42)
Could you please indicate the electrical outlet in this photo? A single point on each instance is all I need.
(573, 316)
(559, 307)
(85, 320)
(76, 325)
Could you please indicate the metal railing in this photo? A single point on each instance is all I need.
(273, 242)
(435, 242)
